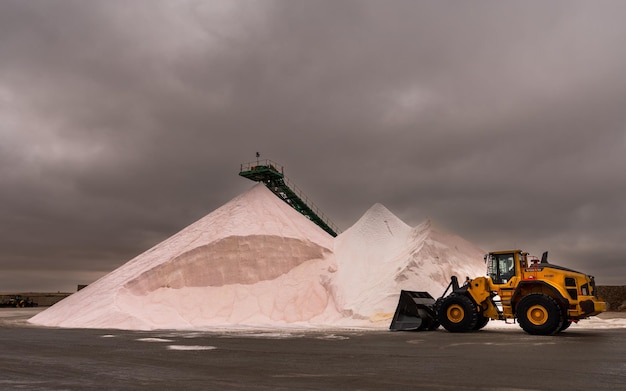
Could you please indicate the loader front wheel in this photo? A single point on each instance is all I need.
(482, 322)
(457, 313)
(539, 314)
(566, 325)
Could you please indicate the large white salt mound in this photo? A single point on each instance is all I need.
(380, 255)
(254, 260)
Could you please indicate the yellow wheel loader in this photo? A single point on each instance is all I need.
(544, 299)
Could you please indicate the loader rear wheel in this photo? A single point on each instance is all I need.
(539, 314)
(458, 314)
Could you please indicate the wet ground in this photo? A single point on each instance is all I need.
(34, 358)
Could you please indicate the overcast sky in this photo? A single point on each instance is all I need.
(122, 122)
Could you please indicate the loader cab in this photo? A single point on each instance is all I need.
(501, 267)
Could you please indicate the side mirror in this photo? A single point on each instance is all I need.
(544, 257)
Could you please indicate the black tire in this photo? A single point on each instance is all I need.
(458, 313)
(565, 325)
(539, 314)
(481, 322)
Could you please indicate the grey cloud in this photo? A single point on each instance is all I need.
(123, 122)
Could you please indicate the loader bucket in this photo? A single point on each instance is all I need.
(414, 312)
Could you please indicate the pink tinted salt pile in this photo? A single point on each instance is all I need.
(256, 262)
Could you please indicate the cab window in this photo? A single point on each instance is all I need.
(501, 267)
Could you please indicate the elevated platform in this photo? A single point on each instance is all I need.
(272, 176)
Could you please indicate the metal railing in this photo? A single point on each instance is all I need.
(311, 205)
(266, 163)
(251, 166)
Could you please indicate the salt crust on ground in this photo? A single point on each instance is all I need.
(257, 263)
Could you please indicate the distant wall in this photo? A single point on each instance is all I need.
(615, 296)
(43, 299)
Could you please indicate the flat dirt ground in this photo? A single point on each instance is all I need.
(36, 358)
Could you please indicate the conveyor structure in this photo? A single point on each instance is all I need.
(272, 176)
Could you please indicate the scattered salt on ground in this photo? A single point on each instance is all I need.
(154, 340)
(256, 263)
(190, 347)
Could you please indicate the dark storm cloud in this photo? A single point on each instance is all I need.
(123, 122)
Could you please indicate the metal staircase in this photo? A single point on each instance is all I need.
(272, 176)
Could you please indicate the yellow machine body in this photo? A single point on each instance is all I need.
(575, 290)
(543, 298)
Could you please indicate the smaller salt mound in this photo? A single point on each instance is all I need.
(368, 255)
(441, 256)
(380, 255)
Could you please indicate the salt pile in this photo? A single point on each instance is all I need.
(256, 262)
(380, 255)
